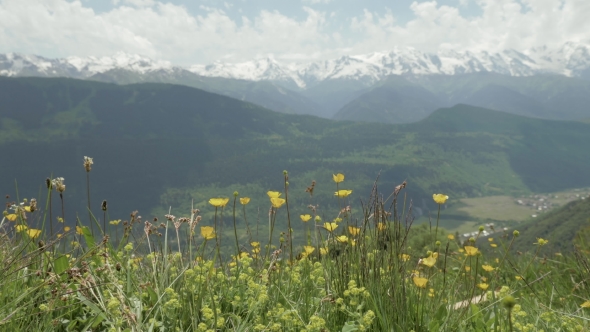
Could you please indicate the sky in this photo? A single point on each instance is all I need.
(187, 32)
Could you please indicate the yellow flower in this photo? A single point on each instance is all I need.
(28, 208)
(308, 249)
(585, 304)
(255, 244)
(404, 257)
(218, 202)
(273, 194)
(330, 226)
(277, 202)
(491, 239)
(468, 268)
(343, 193)
(471, 251)
(488, 268)
(430, 261)
(79, 230)
(451, 237)
(11, 217)
(305, 217)
(33, 233)
(493, 245)
(338, 177)
(381, 226)
(20, 228)
(541, 242)
(337, 220)
(323, 251)
(483, 286)
(420, 282)
(115, 222)
(208, 232)
(440, 198)
(518, 277)
(354, 231)
(244, 200)
(66, 229)
(342, 238)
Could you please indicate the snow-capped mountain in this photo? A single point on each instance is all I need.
(13, 64)
(571, 59)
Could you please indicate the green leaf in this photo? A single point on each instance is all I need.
(61, 264)
(349, 327)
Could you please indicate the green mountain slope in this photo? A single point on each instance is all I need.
(158, 146)
(560, 227)
(395, 100)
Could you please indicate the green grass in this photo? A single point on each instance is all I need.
(374, 271)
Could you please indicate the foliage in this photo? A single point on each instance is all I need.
(371, 270)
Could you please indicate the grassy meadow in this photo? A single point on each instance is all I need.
(365, 268)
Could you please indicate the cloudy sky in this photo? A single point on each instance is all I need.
(189, 32)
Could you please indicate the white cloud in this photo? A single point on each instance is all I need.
(58, 28)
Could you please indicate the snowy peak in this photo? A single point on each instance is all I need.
(14, 64)
(570, 60)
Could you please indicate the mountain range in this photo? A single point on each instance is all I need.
(157, 146)
(398, 86)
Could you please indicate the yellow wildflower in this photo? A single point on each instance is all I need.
(273, 194)
(20, 228)
(354, 231)
(330, 226)
(493, 245)
(33, 233)
(305, 217)
(420, 282)
(488, 268)
(518, 277)
(468, 268)
(451, 237)
(277, 202)
(430, 261)
(255, 244)
(342, 239)
(471, 251)
(585, 304)
(66, 229)
(323, 251)
(338, 177)
(343, 193)
(404, 257)
(308, 249)
(218, 202)
(381, 226)
(208, 232)
(11, 217)
(244, 200)
(115, 222)
(79, 230)
(491, 239)
(483, 286)
(440, 198)
(28, 208)
(541, 242)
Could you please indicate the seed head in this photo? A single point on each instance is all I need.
(88, 163)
